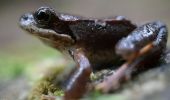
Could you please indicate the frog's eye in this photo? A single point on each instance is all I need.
(42, 16)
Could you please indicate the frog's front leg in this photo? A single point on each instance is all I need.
(142, 49)
(78, 83)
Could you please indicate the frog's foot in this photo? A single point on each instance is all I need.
(124, 73)
(138, 52)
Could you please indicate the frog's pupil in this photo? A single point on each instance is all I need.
(43, 16)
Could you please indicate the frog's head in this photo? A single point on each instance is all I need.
(46, 25)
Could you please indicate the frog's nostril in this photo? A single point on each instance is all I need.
(25, 17)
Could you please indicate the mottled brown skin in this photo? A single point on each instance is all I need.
(96, 44)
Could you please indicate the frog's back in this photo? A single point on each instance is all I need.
(100, 34)
(98, 29)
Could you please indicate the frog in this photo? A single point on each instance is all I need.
(98, 43)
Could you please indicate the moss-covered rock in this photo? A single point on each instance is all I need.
(149, 85)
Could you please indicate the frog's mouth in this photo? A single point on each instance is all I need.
(28, 23)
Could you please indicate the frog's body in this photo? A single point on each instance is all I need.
(98, 38)
(96, 43)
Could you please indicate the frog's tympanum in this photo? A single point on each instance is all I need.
(95, 44)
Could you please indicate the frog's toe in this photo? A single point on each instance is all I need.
(106, 87)
(114, 81)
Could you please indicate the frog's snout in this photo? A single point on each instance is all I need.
(26, 20)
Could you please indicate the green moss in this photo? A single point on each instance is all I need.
(49, 84)
(59, 93)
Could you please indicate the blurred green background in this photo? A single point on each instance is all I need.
(19, 50)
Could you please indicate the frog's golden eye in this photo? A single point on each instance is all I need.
(43, 16)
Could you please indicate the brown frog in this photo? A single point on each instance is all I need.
(98, 43)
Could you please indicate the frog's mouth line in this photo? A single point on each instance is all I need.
(50, 35)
